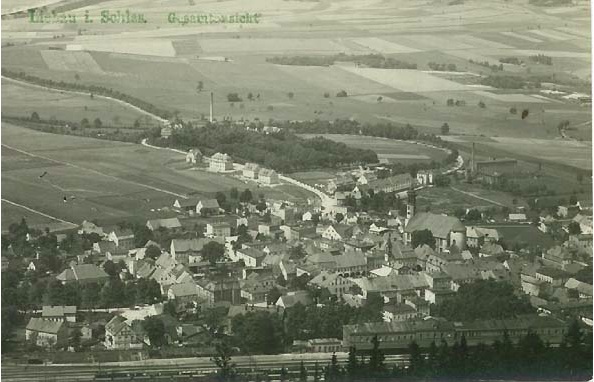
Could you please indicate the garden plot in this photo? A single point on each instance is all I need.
(407, 80)
(519, 98)
(70, 61)
(383, 46)
(521, 37)
(270, 45)
(334, 79)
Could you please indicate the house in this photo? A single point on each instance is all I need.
(218, 229)
(251, 170)
(84, 274)
(186, 205)
(516, 217)
(552, 275)
(252, 257)
(585, 222)
(89, 227)
(194, 156)
(401, 312)
(340, 232)
(293, 298)
(46, 333)
(476, 236)
(351, 264)
(268, 176)
(447, 230)
(119, 335)
(216, 291)
(335, 283)
(583, 289)
(324, 345)
(183, 295)
(123, 238)
(207, 207)
(220, 162)
(182, 249)
(425, 177)
(171, 223)
(59, 313)
(166, 132)
(255, 288)
(396, 183)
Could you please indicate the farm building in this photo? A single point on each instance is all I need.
(268, 176)
(194, 156)
(447, 230)
(207, 207)
(59, 313)
(46, 333)
(251, 170)
(219, 229)
(220, 162)
(84, 274)
(171, 223)
(186, 205)
(496, 166)
(395, 183)
(425, 178)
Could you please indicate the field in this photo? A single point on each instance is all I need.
(388, 150)
(22, 100)
(104, 180)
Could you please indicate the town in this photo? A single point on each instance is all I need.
(272, 276)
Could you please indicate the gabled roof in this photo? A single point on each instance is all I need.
(184, 289)
(125, 233)
(251, 167)
(349, 260)
(37, 324)
(252, 252)
(88, 271)
(209, 203)
(439, 225)
(57, 311)
(116, 324)
(186, 203)
(187, 245)
(267, 172)
(165, 223)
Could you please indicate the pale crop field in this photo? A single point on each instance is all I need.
(521, 37)
(383, 46)
(132, 46)
(520, 98)
(271, 45)
(407, 80)
(70, 61)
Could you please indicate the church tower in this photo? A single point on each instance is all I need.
(411, 204)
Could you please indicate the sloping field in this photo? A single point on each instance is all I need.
(572, 153)
(407, 80)
(271, 45)
(149, 47)
(70, 61)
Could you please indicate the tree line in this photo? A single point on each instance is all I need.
(369, 60)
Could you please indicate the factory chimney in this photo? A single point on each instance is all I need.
(211, 106)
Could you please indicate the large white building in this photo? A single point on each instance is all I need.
(220, 162)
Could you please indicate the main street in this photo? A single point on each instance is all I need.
(167, 368)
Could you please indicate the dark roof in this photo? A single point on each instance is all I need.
(88, 271)
(209, 203)
(439, 225)
(57, 311)
(44, 326)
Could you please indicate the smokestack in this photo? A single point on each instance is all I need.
(211, 106)
(472, 159)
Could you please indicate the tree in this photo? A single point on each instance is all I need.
(213, 252)
(246, 196)
(445, 129)
(376, 358)
(573, 199)
(250, 97)
(152, 252)
(574, 228)
(234, 193)
(221, 198)
(200, 86)
(302, 372)
(273, 296)
(513, 110)
(450, 102)
(227, 369)
(34, 117)
(525, 113)
(417, 360)
(316, 376)
(352, 364)
(326, 95)
(74, 340)
(474, 215)
(290, 95)
(339, 217)
(341, 93)
(422, 237)
(155, 329)
(233, 97)
(482, 105)
(84, 123)
(97, 123)
(580, 177)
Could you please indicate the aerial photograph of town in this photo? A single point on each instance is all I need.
(296, 190)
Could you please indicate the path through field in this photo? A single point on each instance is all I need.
(96, 172)
(478, 197)
(40, 213)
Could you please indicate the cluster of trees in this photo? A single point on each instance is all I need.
(483, 299)
(283, 151)
(486, 64)
(91, 89)
(370, 60)
(541, 59)
(531, 358)
(457, 102)
(55, 126)
(370, 201)
(442, 67)
(504, 82)
(507, 184)
(511, 60)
